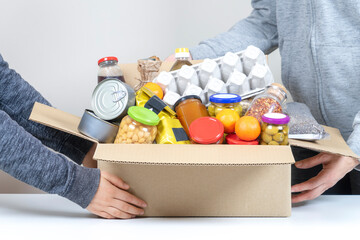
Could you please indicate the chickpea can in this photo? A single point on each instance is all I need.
(275, 129)
(138, 127)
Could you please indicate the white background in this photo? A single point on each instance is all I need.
(55, 45)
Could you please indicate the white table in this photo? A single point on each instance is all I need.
(42, 216)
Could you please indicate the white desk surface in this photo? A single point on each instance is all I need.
(43, 216)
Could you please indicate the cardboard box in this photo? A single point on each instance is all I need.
(199, 180)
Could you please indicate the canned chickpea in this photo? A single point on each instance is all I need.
(138, 127)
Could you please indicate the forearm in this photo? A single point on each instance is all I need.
(259, 29)
(27, 159)
(354, 139)
(17, 98)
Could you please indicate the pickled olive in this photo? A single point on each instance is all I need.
(273, 143)
(286, 130)
(218, 109)
(285, 142)
(266, 138)
(279, 137)
(271, 130)
(263, 143)
(211, 110)
(263, 127)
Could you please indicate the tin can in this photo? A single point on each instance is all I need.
(111, 99)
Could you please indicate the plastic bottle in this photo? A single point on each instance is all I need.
(182, 56)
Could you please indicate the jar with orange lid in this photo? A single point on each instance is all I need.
(271, 101)
(188, 109)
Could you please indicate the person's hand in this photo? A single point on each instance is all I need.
(335, 167)
(113, 201)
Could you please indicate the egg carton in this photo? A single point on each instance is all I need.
(245, 73)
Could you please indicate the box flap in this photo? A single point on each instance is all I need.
(333, 144)
(194, 154)
(57, 119)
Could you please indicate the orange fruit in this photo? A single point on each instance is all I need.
(247, 128)
(228, 117)
(155, 88)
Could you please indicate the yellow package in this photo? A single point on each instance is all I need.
(170, 130)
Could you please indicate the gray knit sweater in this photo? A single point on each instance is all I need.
(25, 145)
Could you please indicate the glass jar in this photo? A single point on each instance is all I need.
(109, 68)
(206, 130)
(138, 127)
(221, 101)
(188, 109)
(271, 101)
(275, 129)
(233, 139)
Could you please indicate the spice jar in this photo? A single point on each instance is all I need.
(188, 109)
(109, 68)
(138, 127)
(271, 101)
(221, 101)
(206, 130)
(275, 129)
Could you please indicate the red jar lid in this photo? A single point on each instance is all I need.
(206, 130)
(107, 59)
(234, 139)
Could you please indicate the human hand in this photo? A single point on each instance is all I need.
(113, 201)
(335, 167)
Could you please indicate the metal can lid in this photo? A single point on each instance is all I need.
(144, 115)
(235, 140)
(109, 99)
(225, 98)
(107, 59)
(275, 118)
(206, 130)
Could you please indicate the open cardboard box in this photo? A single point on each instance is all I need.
(199, 180)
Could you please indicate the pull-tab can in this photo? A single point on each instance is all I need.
(111, 99)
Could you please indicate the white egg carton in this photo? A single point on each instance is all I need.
(245, 73)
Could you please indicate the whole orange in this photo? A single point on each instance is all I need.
(228, 117)
(247, 128)
(155, 88)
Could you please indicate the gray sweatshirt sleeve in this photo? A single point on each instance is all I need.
(354, 139)
(17, 98)
(259, 29)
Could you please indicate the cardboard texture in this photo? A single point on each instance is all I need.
(199, 180)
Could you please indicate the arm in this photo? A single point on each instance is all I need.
(354, 139)
(259, 29)
(17, 98)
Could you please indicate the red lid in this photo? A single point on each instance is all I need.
(107, 59)
(206, 130)
(234, 139)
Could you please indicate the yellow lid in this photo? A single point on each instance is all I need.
(182, 50)
(181, 53)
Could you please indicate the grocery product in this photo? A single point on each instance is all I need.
(228, 118)
(302, 124)
(235, 140)
(170, 131)
(170, 98)
(206, 130)
(187, 75)
(208, 68)
(215, 86)
(188, 109)
(222, 101)
(275, 129)
(192, 89)
(247, 128)
(148, 69)
(238, 83)
(166, 81)
(109, 68)
(245, 104)
(96, 128)
(182, 56)
(138, 127)
(229, 63)
(155, 88)
(272, 100)
(259, 76)
(251, 56)
(111, 99)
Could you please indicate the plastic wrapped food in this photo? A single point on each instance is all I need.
(303, 125)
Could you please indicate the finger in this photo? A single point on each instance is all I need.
(308, 195)
(105, 215)
(129, 198)
(310, 184)
(128, 208)
(118, 182)
(118, 213)
(311, 162)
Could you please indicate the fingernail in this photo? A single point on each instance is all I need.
(126, 186)
(144, 205)
(298, 164)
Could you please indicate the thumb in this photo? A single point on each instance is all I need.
(116, 181)
(311, 162)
